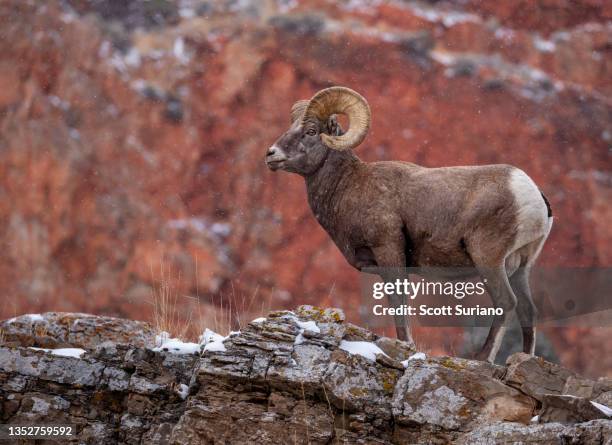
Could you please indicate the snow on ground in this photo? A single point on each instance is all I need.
(308, 326)
(215, 346)
(304, 326)
(448, 18)
(543, 45)
(63, 352)
(183, 391)
(179, 51)
(177, 346)
(363, 348)
(212, 341)
(209, 340)
(417, 356)
(164, 343)
(210, 336)
(202, 225)
(603, 408)
(259, 320)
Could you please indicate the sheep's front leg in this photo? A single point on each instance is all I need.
(391, 262)
(402, 328)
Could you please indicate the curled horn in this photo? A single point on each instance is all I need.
(297, 110)
(340, 100)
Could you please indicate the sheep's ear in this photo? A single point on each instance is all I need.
(333, 126)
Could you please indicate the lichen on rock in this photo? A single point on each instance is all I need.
(264, 388)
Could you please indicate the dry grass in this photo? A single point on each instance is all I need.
(186, 316)
(167, 316)
(41, 329)
(213, 317)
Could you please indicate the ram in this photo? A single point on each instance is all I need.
(492, 219)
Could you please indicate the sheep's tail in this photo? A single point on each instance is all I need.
(550, 215)
(547, 205)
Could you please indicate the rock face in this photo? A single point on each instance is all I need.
(57, 329)
(294, 377)
(132, 137)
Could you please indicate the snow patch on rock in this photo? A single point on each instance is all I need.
(212, 341)
(363, 348)
(603, 408)
(417, 356)
(164, 343)
(63, 352)
(309, 326)
(183, 391)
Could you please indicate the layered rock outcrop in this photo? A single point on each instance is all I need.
(132, 137)
(291, 377)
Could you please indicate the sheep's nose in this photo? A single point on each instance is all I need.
(272, 151)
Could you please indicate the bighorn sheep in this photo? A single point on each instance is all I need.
(397, 214)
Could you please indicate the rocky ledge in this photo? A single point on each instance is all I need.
(293, 377)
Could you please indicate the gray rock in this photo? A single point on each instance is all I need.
(64, 329)
(568, 409)
(285, 380)
(394, 348)
(596, 432)
(535, 376)
(599, 391)
(447, 394)
(52, 368)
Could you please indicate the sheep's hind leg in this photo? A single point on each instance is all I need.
(503, 297)
(525, 308)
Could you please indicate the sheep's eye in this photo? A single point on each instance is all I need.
(311, 132)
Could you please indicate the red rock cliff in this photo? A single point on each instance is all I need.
(133, 135)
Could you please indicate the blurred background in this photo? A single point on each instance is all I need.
(132, 137)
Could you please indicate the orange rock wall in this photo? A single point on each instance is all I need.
(132, 139)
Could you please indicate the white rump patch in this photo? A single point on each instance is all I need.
(532, 217)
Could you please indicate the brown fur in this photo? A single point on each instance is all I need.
(380, 204)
